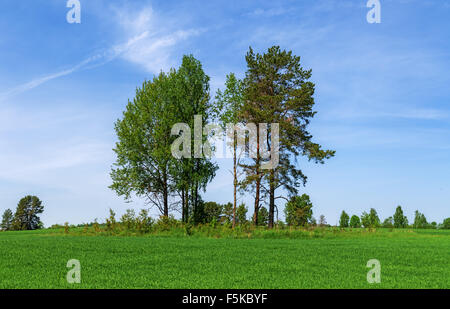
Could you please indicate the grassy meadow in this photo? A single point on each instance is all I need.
(319, 258)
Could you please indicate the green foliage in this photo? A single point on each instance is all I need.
(400, 220)
(446, 224)
(145, 165)
(228, 103)
(263, 216)
(26, 216)
(371, 219)
(420, 222)
(298, 210)
(388, 223)
(7, 220)
(213, 211)
(278, 90)
(344, 220)
(144, 159)
(241, 214)
(355, 222)
(228, 212)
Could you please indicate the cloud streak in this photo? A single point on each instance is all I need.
(152, 52)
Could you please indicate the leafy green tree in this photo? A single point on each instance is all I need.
(371, 219)
(278, 90)
(388, 223)
(143, 150)
(227, 108)
(193, 173)
(263, 216)
(7, 220)
(145, 164)
(420, 222)
(355, 222)
(400, 220)
(298, 210)
(241, 214)
(26, 215)
(446, 224)
(213, 211)
(344, 220)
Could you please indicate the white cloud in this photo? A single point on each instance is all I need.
(154, 52)
(142, 43)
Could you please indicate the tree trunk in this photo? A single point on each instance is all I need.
(235, 180)
(183, 207)
(166, 196)
(272, 199)
(258, 178)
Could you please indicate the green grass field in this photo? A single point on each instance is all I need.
(409, 259)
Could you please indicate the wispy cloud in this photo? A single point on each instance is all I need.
(156, 51)
(90, 62)
(143, 44)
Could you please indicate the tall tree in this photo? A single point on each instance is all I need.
(7, 220)
(278, 91)
(344, 220)
(371, 219)
(193, 108)
(400, 220)
(420, 222)
(227, 108)
(143, 149)
(26, 215)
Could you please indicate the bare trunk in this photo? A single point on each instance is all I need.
(272, 199)
(235, 181)
(258, 179)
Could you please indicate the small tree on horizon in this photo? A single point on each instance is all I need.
(400, 220)
(322, 221)
(7, 220)
(298, 210)
(344, 220)
(371, 219)
(355, 222)
(263, 216)
(241, 214)
(26, 216)
(420, 222)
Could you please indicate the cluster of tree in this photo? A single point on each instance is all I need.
(275, 90)
(26, 216)
(298, 212)
(399, 220)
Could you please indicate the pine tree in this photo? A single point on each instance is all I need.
(278, 91)
(26, 216)
(400, 221)
(7, 220)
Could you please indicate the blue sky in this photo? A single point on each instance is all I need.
(382, 94)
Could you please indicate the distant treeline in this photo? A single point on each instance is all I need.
(298, 214)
